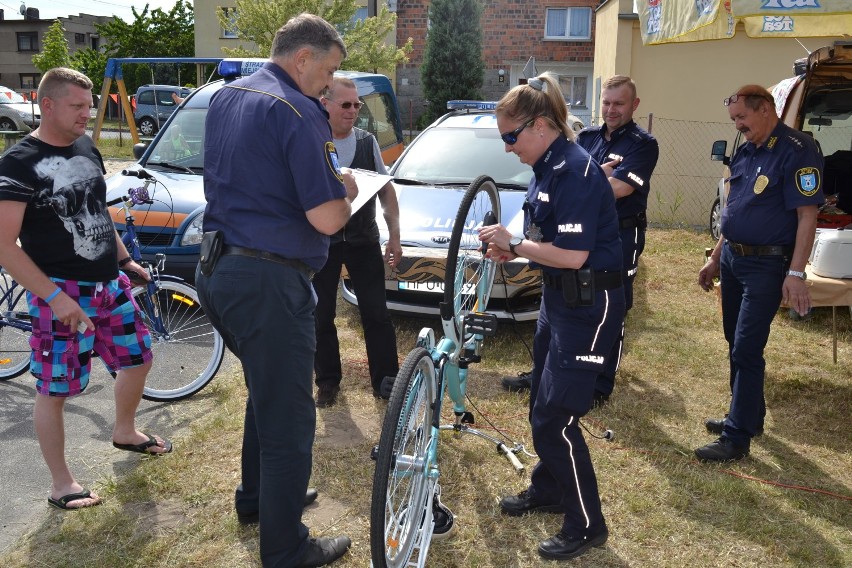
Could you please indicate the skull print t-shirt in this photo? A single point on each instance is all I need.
(66, 230)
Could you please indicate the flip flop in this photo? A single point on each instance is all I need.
(143, 448)
(62, 502)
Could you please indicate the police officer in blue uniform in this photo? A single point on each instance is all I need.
(768, 227)
(274, 195)
(571, 231)
(628, 154)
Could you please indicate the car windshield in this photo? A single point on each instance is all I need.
(182, 142)
(460, 155)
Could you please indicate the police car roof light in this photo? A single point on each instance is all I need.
(472, 105)
(239, 67)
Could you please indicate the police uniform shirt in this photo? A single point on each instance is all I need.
(767, 184)
(570, 204)
(269, 158)
(638, 151)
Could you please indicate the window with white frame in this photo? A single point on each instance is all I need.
(230, 31)
(568, 23)
(361, 14)
(574, 90)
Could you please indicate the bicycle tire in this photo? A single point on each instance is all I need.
(403, 479)
(15, 348)
(188, 352)
(469, 275)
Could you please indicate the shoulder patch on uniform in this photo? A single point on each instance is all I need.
(771, 142)
(807, 181)
(636, 134)
(331, 159)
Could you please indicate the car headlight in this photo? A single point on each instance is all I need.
(193, 233)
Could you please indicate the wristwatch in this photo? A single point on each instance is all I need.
(797, 274)
(513, 242)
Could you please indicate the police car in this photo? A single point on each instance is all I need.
(430, 179)
(172, 225)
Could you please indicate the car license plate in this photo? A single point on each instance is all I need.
(434, 287)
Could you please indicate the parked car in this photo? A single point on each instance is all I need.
(817, 100)
(155, 104)
(430, 179)
(16, 112)
(172, 225)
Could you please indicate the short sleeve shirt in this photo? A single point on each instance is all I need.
(66, 229)
(268, 159)
(638, 151)
(767, 184)
(570, 203)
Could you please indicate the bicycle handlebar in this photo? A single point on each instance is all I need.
(510, 455)
(140, 173)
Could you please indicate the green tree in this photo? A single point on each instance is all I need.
(54, 49)
(92, 64)
(452, 59)
(256, 21)
(153, 34)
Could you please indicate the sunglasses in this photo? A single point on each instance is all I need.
(347, 105)
(511, 138)
(734, 98)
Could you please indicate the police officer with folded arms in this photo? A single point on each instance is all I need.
(571, 233)
(768, 228)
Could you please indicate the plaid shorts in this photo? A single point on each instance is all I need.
(62, 358)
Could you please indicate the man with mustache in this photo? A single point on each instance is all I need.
(768, 227)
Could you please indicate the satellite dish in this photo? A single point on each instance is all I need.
(23, 10)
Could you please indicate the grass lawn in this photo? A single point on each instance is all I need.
(788, 504)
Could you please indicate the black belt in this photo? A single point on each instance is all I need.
(762, 250)
(603, 280)
(632, 222)
(272, 257)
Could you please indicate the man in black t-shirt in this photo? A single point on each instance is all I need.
(53, 198)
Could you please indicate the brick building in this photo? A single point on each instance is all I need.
(559, 34)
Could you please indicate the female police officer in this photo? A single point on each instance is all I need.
(571, 233)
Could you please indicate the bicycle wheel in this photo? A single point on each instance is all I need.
(402, 485)
(15, 329)
(469, 275)
(187, 349)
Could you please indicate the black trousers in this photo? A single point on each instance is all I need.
(265, 313)
(632, 245)
(366, 268)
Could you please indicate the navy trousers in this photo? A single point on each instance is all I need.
(265, 313)
(366, 268)
(570, 347)
(632, 245)
(751, 296)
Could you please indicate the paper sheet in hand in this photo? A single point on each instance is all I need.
(369, 184)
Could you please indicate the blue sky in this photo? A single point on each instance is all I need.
(49, 9)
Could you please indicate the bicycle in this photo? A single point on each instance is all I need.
(188, 351)
(407, 470)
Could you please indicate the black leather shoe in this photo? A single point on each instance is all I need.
(518, 384)
(322, 551)
(559, 547)
(524, 502)
(327, 396)
(715, 426)
(251, 518)
(721, 450)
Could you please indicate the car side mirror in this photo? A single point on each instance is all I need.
(139, 149)
(718, 151)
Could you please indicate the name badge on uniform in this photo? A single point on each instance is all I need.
(760, 184)
(534, 233)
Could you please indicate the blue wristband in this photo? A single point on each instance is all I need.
(53, 295)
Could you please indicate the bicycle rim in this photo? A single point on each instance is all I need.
(187, 349)
(402, 486)
(14, 342)
(469, 275)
